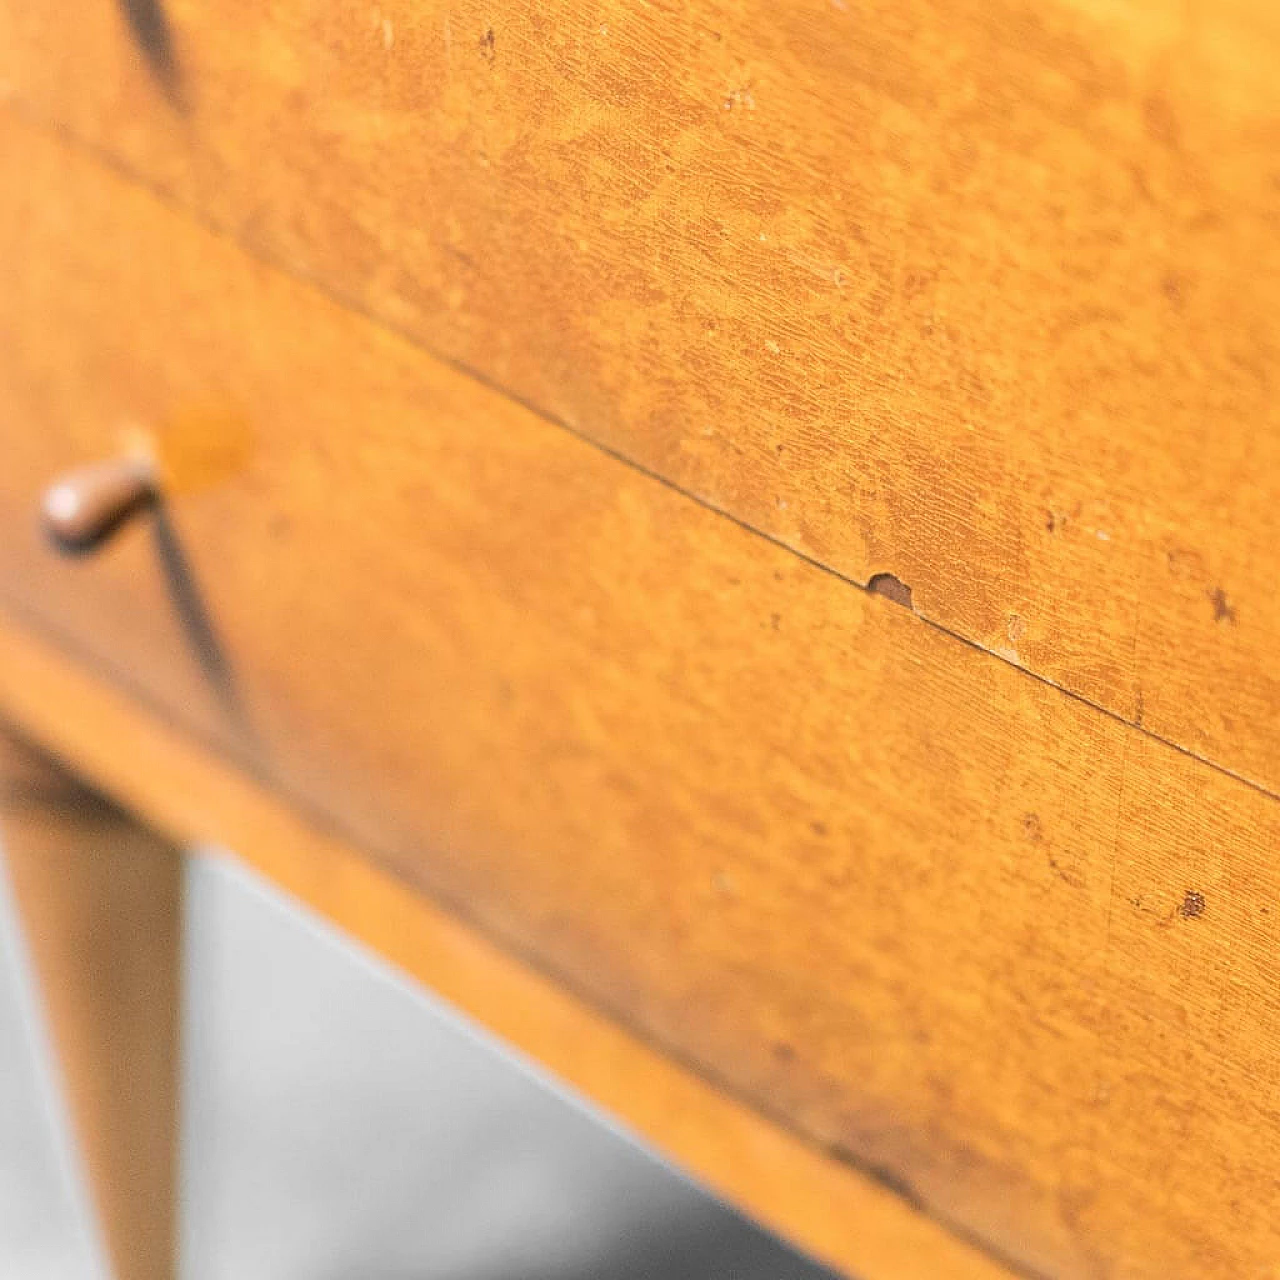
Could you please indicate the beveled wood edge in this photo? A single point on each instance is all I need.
(838, 1213)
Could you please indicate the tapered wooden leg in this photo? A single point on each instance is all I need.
(100, 902)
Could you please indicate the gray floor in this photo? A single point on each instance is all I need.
(340, 1122)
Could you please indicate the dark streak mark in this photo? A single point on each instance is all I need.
(461, 255)
(885, 584)
(487, 51)
(1162, 123)
(1223, 609)
(195, 618)
(1192, 905)
(1140, 183)
(1067, 877)
(896, 1184)
(1033, 830)
(154, 38)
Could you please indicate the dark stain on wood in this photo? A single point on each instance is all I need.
(1223, 609)
(1192, 905)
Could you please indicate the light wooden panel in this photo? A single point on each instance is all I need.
(978, 292)
(812, 1197)
(928, 910)
(100, 900)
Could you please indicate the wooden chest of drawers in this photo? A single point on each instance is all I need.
(537, 390)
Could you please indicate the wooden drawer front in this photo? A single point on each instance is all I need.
(980, 294)
(937, 914)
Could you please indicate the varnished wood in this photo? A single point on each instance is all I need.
(810, 1196)
(979, 293)
(924, 908)
(100, 900)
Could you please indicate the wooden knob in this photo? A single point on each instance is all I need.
(85, 506)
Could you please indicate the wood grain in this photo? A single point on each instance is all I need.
(981, 293)
(100, 900)
(932, 912)
(810, 1196)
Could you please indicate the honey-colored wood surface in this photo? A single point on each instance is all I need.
(933, 913)
(810, 1196)
(982, 293)
(100, 901)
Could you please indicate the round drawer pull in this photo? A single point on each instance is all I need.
(84, 507)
